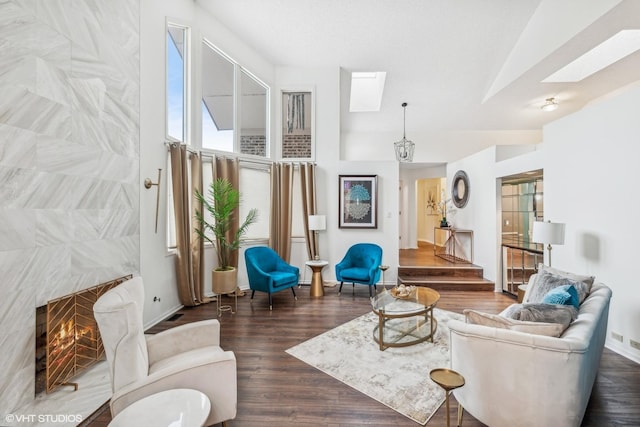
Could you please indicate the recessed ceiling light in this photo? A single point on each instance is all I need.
(366, 91)
(606, 53)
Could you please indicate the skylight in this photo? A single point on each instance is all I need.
(606, 53)
(366, 91)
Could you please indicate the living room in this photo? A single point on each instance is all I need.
(76, 213)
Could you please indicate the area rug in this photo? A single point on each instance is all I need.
(396, 377)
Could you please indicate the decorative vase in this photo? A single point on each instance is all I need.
(443, 222)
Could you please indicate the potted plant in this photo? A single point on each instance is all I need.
(222, 203)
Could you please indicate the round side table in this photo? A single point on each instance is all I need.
(317, 284)
(383, 268)
(181, 407)
(448, 380)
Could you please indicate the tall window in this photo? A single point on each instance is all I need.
(177, 101)
(217, 99)
(176, 72)
(254, 107)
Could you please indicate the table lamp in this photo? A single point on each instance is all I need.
(317, 223)
(548, 233)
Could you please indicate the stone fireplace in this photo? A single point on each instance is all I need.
(67, 337)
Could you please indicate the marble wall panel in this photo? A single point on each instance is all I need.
(17, 148)
(69, 163)
(53, 227)
(27, 110)
(17, 379)
(16, 229)
(66, 157)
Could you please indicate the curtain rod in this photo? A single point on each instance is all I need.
(211, 154)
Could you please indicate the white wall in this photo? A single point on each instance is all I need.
(590, 170)
(480, 213)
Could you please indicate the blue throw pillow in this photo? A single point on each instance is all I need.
(562, 295)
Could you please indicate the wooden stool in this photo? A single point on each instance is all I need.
(448, 380)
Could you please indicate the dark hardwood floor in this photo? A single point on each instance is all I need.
(276, 389)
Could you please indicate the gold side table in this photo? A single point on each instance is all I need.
(449, 380)
(317, 284)
(383, 268)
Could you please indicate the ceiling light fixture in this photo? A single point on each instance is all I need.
(550, 104)
(404, 148)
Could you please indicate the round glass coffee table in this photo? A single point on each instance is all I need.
(405, 321)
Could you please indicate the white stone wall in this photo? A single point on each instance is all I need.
(69, 163)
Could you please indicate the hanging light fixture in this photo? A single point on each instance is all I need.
(404, 148)
(550, 104)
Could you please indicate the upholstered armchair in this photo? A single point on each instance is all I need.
(187, 356)
(361, 264)
(268, 272)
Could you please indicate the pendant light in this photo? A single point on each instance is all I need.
(404, 148)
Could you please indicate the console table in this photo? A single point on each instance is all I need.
(448, 251)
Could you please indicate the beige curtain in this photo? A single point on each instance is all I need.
(281, 194)
(229, 169)
(186, 177)
(308, 184)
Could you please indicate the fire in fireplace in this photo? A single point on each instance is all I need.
(70, 337)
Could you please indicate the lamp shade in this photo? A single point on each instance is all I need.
(548, 232)
(317, 222)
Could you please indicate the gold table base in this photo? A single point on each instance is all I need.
(449, 380)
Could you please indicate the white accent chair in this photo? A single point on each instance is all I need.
(187, 356)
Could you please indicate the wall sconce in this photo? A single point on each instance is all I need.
(317, 223)
(548, 233)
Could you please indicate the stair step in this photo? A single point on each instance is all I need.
(455, 270)
(448, 283)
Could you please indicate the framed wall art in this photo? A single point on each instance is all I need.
(358, 204)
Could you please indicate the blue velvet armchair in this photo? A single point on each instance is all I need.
(268, 272)
(360, 265)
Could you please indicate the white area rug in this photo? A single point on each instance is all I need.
(396, 377)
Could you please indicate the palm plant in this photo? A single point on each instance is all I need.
(222, 204)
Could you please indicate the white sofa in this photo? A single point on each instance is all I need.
(520, 379)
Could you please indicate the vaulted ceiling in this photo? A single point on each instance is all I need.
(461, 65)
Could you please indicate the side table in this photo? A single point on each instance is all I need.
(317, 284)
(522, 289)
(449, 380)
(181, 407)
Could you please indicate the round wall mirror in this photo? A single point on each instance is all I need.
(460, 189)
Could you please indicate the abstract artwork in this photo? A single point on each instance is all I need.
(358, 201)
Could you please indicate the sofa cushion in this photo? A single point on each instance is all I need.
(546, 281)
(548, 313)
(585, 282)
(497, 321)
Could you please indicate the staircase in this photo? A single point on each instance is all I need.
(456, 277)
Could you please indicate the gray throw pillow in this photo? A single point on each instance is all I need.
(550, 313)
(587, 281)
(546, 281)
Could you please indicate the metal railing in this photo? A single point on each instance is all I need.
(518, 264)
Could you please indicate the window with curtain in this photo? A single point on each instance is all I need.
(297, 223)
(255, 190)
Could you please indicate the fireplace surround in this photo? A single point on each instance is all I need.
(67, 330)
